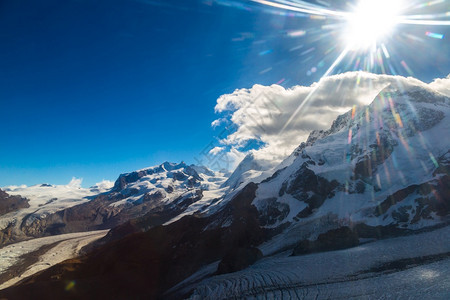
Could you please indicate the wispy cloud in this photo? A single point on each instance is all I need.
(104, 184)
(216, 150)
(75, 182)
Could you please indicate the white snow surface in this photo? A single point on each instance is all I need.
(250, 169)
(45, 199)
(68, 246)
(339, 274)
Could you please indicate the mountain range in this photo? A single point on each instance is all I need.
(379, 174)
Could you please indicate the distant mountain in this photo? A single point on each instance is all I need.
(164, 191)
(39, 202)
(249, 170)
(380, 171)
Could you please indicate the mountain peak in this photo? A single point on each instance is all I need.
(383, 154)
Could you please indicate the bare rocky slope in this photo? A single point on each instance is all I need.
(11, 203)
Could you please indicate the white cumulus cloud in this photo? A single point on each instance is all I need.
(280, 119)
(442, 85)
(216, 150)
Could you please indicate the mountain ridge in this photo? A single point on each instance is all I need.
(379, 171)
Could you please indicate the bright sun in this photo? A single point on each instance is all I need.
(371, 21)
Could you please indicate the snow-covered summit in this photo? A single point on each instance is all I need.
(250, 169)
(377, 165)
(168, 180)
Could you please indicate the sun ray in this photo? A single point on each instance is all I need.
(306, 100)
(367, 30)
(302, 7)
(405, 20)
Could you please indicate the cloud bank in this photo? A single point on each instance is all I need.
(277, 120)
(442, 85)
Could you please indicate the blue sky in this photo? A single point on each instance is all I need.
(96, 88)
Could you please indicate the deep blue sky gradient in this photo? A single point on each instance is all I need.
(95, 88)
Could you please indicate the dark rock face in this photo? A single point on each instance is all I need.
(355, 187)
(7, 235)
(239, 259)
(11, 203)
(307, 181)
(306, 186)
(272, 211)
(428, 198)
(153, 197)
(336, 239)
(274, 175)
(426, 118)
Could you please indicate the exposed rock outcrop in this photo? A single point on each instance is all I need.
(11, 203)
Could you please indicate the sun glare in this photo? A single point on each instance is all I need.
(371, 21)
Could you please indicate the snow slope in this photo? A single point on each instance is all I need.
(249, 170)
(343, 273)
(68, 246)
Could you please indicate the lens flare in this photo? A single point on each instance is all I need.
(364, 36)
(370, 22)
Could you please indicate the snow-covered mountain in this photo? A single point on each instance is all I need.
(168, 183)
(166, 191)
(39, 202)
(249, 170)
(384, 165)
(379, 171)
